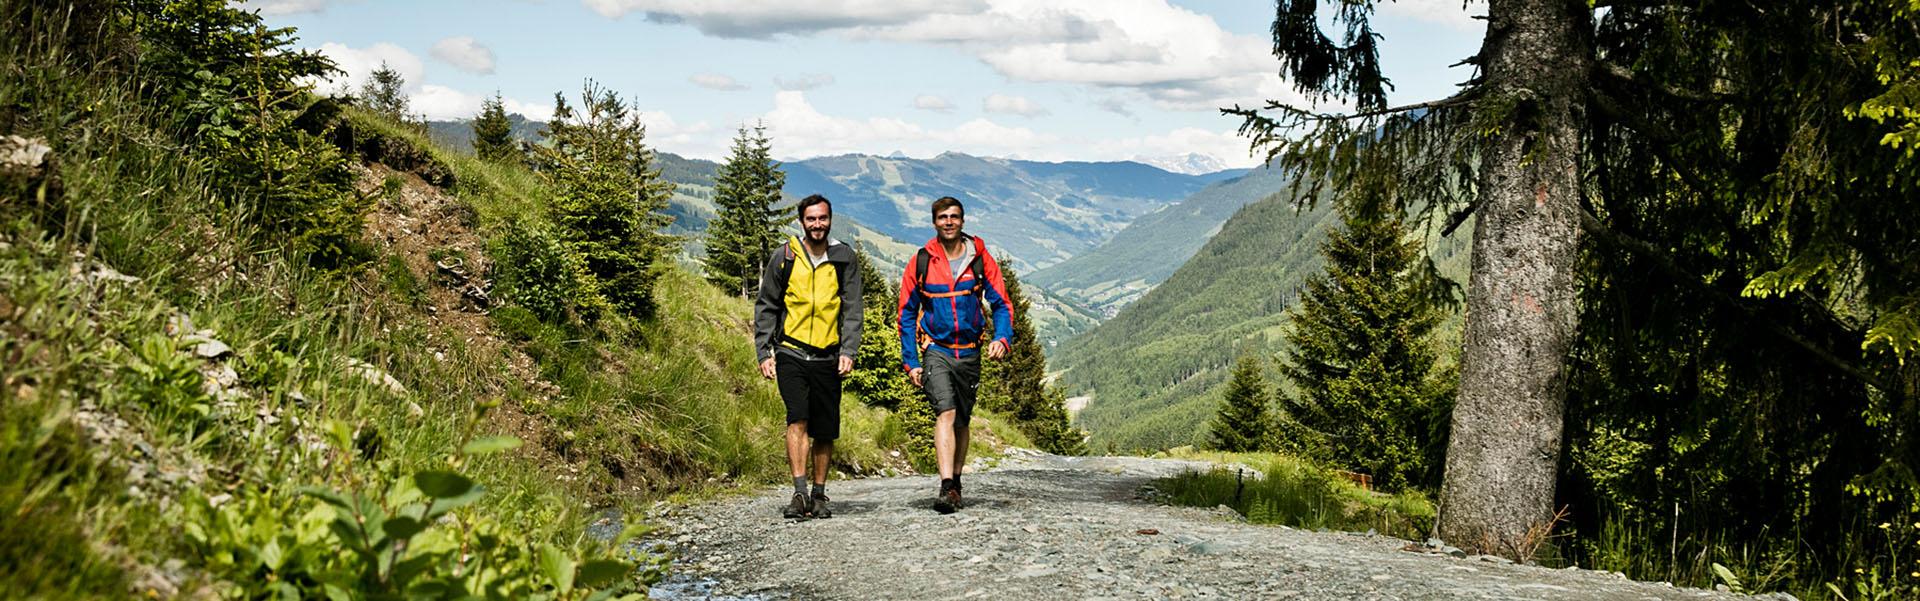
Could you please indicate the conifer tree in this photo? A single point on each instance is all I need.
(1242, 424)
(1360, 355)
(611, 200)
(746, 231)
(492, 132)
(1016, 386)
(381, 93)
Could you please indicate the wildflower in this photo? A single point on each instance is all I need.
(1884, 525)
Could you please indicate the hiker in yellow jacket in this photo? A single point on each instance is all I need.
(806, 328)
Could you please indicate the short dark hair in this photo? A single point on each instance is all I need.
(948, 201)
(810, 200)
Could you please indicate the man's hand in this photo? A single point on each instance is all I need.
(915, 376)
(997, 350)
(766, 368)
(846, 365)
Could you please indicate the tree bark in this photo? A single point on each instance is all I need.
(1521, 304)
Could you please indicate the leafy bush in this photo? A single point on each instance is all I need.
(402, 538)
(536, 270)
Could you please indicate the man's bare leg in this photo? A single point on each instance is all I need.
(943, 443)
(961, 437)
(797, 448)
(822, 456)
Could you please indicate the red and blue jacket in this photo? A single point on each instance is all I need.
(947, 310)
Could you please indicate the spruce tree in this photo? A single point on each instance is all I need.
(1016, 386)
(492, 132)
(1360, 357)
(1242, 424)
(381, 93)
(746, 191)
(611, 200)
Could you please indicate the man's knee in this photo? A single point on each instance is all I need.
(799, 427)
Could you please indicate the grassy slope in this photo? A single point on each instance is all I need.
(111, 442)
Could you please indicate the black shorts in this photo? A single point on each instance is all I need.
(811, 390)
(952, 383)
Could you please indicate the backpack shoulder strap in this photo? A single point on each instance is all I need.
(920, 260)
(786, 262)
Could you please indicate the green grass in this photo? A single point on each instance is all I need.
(1299, 494)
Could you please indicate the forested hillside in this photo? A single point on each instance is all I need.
(1155, 368)
(1122, 269)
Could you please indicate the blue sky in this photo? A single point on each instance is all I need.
(1037, 79)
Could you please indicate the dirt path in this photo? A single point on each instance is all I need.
(1047, 527)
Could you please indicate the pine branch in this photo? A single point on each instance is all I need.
(1304, 116)
(1667, 265)
(1618, 76)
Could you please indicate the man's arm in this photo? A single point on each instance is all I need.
(997, 296)
(766, 307)
(851, 304)
(907, 316)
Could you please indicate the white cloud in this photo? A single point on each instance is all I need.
(358, 64)
(465, 54)
(800, 130)
(766, 19)
(436, 102)
(929, 102)
(715, 81)
(1012, 105)
(804, 82)
(1170, 56)
(1452, 13)
(697, 139)
(284, 7)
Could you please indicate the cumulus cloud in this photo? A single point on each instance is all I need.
(465, 54)
(436, 102)
(804, 131)
(357, 64)
(1012, 105)
(1452, 13)
(929, 102)
(716, 81)
(284, 7)
(766, 19)
(804, 82)
(1170, 56)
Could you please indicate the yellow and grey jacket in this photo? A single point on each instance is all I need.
(811, 311)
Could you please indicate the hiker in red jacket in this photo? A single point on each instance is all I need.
(942, 297)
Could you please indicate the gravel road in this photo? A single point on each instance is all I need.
(1040, 526)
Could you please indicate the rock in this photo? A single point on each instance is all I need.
(23, 157)
(374, 375)
(212, 349)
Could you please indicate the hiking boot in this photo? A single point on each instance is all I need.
(820, 510)
(798, 508)
(949, 498)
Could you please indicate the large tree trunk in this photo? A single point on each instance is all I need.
(1521, 305)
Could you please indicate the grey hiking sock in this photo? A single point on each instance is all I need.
(820, 490)
(799, 485)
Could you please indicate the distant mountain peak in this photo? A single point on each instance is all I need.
(1192, 163)
(898, 155)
